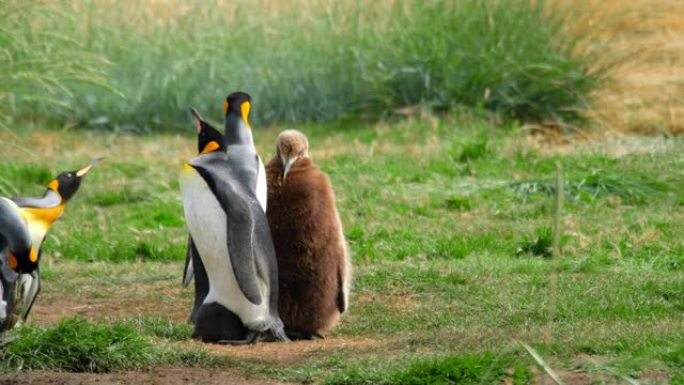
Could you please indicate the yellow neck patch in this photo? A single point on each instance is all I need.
(211, 146)
(244, 109)
(44, 216)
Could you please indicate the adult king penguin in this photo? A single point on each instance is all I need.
(245, 162)
(24, 223)
(313, 258)
(230, 247)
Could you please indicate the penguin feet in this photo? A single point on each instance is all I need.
(279, 335)
(216, 323)
(250, 339)
(308, 336)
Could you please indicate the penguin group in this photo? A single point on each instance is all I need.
(24, 223)
(266, 247)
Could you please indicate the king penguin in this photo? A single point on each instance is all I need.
(313, 258)
(230, 242)
(239, 141)
(24, 223)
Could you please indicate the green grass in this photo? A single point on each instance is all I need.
(140, 66)
(76, 345)
(15, 177)
(449, 254)
(466, 369)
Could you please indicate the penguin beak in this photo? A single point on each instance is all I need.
(82, 172)
(198, 119)
(288, 162)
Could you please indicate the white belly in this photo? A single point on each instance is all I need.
(206, 222)
(261, 187)
(3, 306)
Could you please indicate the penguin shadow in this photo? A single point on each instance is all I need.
(216, 324)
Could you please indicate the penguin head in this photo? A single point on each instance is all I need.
(238, 104)
(66, 184)
(209, 139)
(291, 146)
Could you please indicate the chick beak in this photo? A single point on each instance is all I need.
(288, 162)
(80, 173)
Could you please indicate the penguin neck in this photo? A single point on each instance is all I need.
(237, 132)
(45, 210)
(50, 199)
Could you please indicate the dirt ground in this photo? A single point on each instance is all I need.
(161, 376)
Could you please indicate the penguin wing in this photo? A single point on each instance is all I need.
(32, 293)
(201, 279)
(188, 270)
(240, 206)
(240, 229)
(13, 228)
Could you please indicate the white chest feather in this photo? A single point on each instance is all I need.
(38, 230)
(206, 222)
(261, 192)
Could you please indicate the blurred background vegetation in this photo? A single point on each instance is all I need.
(136, 66)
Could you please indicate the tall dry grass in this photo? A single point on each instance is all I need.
(640, 44)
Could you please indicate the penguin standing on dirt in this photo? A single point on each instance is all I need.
(313, 259)
(231, 248)
(24, 223)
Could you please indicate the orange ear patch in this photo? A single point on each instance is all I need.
(244, 109)
(54, 185)
(13, 261)
(211, 146)
(225, 107)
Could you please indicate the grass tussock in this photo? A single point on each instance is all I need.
(317, 61)
(77, 345)
(42, 62)
(634, 189)
(638, 45)
(465, 369)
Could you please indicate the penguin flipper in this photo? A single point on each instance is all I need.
(240, 206)
(13, 228)
(33, 291)
(240, 229)
(7, 280)
(201, 280)
(341, 300)
(188, 271)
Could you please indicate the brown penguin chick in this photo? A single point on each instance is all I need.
(313, 260)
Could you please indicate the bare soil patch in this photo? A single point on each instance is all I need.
(295, 351)
(159, 376)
